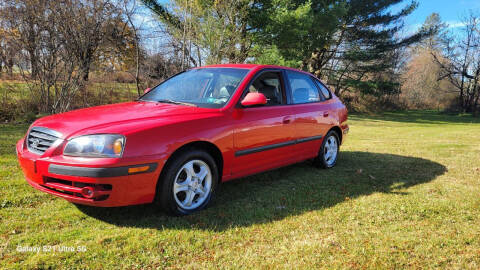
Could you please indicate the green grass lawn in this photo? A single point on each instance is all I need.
(404, 194)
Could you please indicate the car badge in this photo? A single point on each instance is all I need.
(35, 142)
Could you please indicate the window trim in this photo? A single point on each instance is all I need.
(258, 74)
(320, 90)
(290, 92)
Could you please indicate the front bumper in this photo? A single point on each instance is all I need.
(112, 182)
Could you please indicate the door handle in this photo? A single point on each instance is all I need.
(325, 114)
(286, 120)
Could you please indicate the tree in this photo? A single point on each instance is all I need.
(438, 33)
(158, 68)
(23, 18)
(8, 51)
(460, 64)
(421, 88)
(352, 44)
(91, 25)
(61, 40)
(207, 31)
(88, 27)
(130, 9)
(53, 74)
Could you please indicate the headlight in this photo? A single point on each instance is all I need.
(101, 145)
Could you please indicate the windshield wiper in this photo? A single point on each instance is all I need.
(175, 102)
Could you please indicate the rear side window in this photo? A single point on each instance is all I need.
(324, 90)
(302, 87)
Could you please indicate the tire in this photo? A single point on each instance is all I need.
(329, 150)
(188, 183)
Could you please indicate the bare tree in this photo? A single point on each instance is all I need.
(461, 64)
(8, 51)
(130, 10)
(86, 24)
(208, 32)
(52, 75)
(24, 18)
(61, 40)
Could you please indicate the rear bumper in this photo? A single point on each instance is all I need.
(127, 182)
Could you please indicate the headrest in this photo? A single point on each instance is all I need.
(227, 90)
(230, 89)
(300, 95)
(269, 91)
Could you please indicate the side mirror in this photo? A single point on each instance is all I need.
(147, 90)
(252, 99)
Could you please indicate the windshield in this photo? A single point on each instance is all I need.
(203, 87)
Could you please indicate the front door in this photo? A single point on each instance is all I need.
(264, 135)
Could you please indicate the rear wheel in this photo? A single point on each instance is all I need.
(328, 154)
(189, 183)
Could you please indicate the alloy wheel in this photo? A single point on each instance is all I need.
(193, 184)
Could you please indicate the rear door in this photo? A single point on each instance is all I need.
(264, 135)
(312, 120)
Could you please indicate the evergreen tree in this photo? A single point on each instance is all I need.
(353, 44)
(438, 29)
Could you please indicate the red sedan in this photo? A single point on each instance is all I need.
(181, 139)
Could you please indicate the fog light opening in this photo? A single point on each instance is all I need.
(88, 192)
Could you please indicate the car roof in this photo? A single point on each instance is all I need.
(251, 66)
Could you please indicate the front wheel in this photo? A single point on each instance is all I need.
(327, 156)
(189, 183)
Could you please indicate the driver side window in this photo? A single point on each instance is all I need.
(269, 84)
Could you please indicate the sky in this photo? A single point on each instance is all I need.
(451, 12)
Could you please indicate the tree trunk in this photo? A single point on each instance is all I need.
(9, 65)
(33, 63)
(476, 92)
(86, 72)
(137, 68)
(199, 57)
(31, 43)
(475, 106)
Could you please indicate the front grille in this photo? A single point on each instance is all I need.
(39, 139)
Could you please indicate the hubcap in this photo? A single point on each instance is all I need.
(330, 150)
(192, 184)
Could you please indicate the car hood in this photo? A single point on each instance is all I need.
(101, 117)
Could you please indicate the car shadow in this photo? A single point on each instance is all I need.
(285, 192)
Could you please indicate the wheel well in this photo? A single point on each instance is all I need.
(338, 131)
(209, 147)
